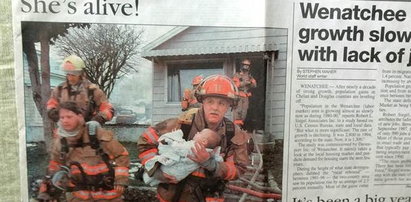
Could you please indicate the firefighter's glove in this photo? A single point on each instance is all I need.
(53, 114)
(99, 118)
(93, 126)
(164, 177)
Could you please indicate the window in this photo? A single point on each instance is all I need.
(179, 76)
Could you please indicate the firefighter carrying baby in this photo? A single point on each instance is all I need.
(217, 93)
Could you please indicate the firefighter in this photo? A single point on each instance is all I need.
(89, 97)
(244, 82)
(217, 93)
(189, 100)
(96, 165)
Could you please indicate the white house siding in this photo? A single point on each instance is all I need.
(162, 109)
(276, 87)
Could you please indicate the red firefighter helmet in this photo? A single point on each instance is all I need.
(217, 86)
(197, 80)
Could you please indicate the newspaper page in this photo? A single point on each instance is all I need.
(328, 114)
(349, 102)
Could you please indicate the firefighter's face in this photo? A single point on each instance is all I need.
(215, 109)
(245, 65)
(73, 79)
(69, 120)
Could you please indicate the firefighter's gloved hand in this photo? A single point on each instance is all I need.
(163, 177)
(92, 127)
(170, 179)
(53, 114)
(99, 118)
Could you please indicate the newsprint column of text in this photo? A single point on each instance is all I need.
(350, 113)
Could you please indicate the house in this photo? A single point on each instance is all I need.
(185, 52)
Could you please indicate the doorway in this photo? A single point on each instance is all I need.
(255, 119)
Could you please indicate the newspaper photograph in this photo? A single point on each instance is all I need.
(133, 111)
(300, 101)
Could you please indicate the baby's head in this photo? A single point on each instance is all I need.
(208, 137)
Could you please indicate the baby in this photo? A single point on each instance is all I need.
(173, 151)
(207, 137)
